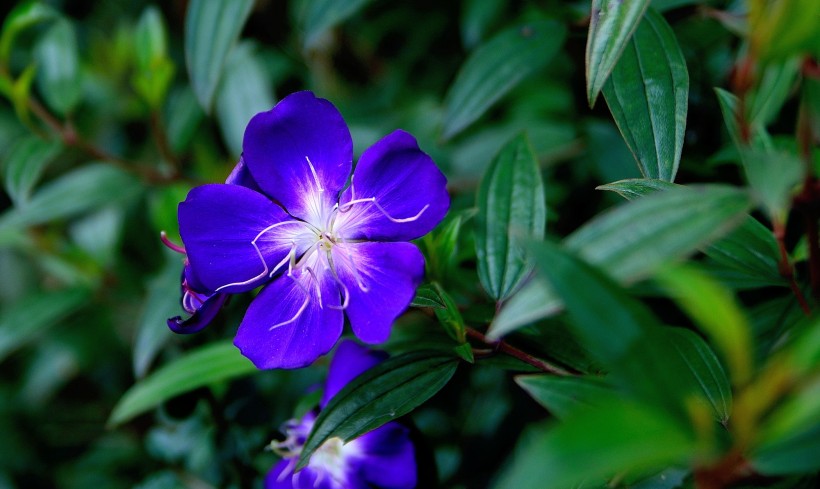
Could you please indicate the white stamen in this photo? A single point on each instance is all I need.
(315, 175)
(287, 259)
(295, 316)
(259, 254)
(345, 207)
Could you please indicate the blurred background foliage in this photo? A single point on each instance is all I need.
(112, 111)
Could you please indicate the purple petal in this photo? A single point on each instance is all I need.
(389, 461)
(409, 192)
(219, 224)
(275, 334)
(300, 146)
(240, 175)
(349, 361)
(381, 280)
(203, 316)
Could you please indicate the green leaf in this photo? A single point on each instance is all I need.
(182, 115)
(705, 369)
(206, 365)
(30, 317)
(511, 209)
(26, 163)
(497, 66)
(325, 14)
(477, 17)
(773, 176)
(594, 445)
(564, 396)
(58, 67)
(23, 16)
(383, 393)
(780, 29)
(611, 24)
(768, 97)
(647, 94)
(449, 316)
(728, 108)
(86, 188)
(155, 70)
(245, 90)
(428, 296)
(211, 30)
(716, 311)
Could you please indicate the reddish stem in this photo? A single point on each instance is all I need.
(514, 352)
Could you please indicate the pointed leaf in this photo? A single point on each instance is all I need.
(647, 94)
(497, 66)
(511, 209)
(611, 24)
(206, 365)
(211, 29)
(24, 166)
(564, 396)
(387, 391)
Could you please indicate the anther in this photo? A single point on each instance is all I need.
(167, 242)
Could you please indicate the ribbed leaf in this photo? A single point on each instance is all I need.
(647, 94)
(611, 24)
(211, 29)
(26, 163)
(495, 67)
(564, 396)
(324, 14)
(213, 363)
(630, 242)
(387, 391)
(596, 444)
(511, 208)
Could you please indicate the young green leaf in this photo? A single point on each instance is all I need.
(211, 29)
(611, 24)
(325, 14)
(715, 310)
(244, 91)
(595, 444)
(155, 70)
(21, 17)
(206, 365)
(647, 94)
(511, 208)
(27, 319)
(58, 67)
(497, 66)
(387, 391)
(26, 163)
(564, 396)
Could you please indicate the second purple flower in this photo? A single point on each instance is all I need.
(327, 247)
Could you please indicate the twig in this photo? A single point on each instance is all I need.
(785, 267)
(514, 352)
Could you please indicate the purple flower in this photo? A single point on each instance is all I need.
(383, 458)
(325, 241)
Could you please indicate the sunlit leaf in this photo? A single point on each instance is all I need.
(511, 209)
(387, 391)
(495, 67)
(611, 24)
(211, 29)
(216, 362)
(647, 94)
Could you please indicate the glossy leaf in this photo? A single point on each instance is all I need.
(497, 66)
(325, 14)
(716, 311)
(449, 315)
(58, 67)
(25, 165)
(387, 391)
(244, 91)
(78, 191)
(647, 94)
(511, 209)
(630, 242)
(26, 320)
(427, 296)
(611, 24)
(216, 362)
(21, 17)
(211, 30)
(596, 444)
(565, 396)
